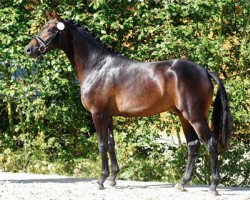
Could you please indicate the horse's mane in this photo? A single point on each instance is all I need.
(92, 35)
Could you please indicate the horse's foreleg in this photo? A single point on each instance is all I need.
(111, 150)
(101, 125)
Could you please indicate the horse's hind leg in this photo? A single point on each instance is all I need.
(201, 128)
(111, 150)
(193, 144)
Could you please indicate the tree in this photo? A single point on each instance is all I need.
(42, 119)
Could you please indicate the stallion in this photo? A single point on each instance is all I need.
(113, 85)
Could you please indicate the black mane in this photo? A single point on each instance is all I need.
(92, 35)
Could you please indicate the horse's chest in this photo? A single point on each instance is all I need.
(92, 95)
(87, 96)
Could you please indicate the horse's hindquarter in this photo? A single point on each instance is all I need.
(193, 88)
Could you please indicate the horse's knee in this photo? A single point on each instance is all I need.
(103, 148)
(111, 145)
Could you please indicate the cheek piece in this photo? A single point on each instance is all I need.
(43, 45)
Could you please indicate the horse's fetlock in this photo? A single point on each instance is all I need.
(216, 178)
(186, 177)
(105, 174)
(115, 170)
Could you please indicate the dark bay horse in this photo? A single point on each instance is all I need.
(113, 85)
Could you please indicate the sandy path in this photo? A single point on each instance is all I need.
(17, 186)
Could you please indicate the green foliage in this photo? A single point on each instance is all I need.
(43, 126)
(141, 156)
(234, 164)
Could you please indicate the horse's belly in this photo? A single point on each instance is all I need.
(143, 105)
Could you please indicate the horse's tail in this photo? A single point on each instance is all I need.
(221, 118)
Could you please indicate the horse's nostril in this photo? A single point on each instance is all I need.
(28, 50)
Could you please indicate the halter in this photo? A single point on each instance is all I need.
(43, 45)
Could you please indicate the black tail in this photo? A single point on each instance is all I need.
(221, 118)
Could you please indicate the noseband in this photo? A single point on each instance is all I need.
(43, 45)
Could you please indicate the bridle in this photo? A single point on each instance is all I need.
(43, 44)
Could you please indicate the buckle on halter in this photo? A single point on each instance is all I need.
(42, 49)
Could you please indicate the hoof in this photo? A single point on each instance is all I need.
(113, 183)
(213, 192)
(100, 186)
(180, 187)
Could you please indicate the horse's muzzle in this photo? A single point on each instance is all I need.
(31, 51)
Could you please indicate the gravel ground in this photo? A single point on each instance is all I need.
(17, 186)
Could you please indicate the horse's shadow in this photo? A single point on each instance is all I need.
(129, 186)
(48, 180)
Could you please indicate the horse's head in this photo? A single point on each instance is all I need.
(48, 38)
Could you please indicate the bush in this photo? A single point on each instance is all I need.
(43, 127)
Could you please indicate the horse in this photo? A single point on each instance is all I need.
(114, 85)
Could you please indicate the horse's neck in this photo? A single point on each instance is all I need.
(82, 54)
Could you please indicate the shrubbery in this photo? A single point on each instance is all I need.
(43, 126)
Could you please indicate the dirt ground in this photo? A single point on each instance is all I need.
(17, 186)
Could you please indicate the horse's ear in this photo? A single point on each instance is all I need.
(56, 15)
(48, 15)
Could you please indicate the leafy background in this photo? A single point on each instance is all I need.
(45, 129)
